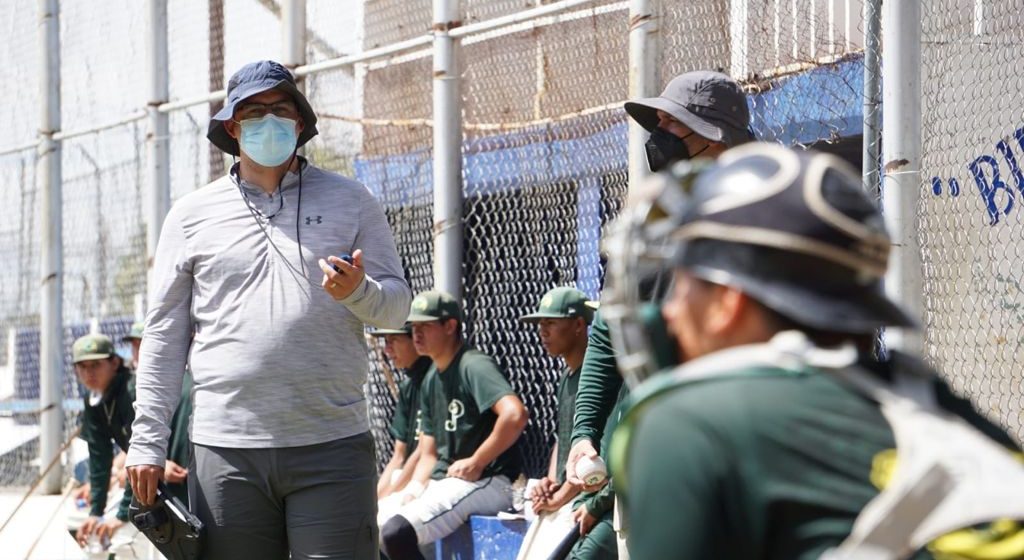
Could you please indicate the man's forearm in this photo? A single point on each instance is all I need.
(424, 468)
(408, 470)
(100, 463)
(599, 386)
(507, 430)
(381, 304)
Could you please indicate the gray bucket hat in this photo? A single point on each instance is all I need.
(712, 104)
(253, 79)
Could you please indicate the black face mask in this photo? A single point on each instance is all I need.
(664, 148)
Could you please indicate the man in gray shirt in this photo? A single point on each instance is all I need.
(250, 264)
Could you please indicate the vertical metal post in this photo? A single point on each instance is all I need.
(215, 60)
(643, 77)
(447, 151)
(872, 95)
(293, 30)
(51, 320)
(293, 27)
(901, 152)
(158, 155)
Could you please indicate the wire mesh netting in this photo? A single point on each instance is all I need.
(19, 243)
(969, 211)
(544, 168)
(544, 159)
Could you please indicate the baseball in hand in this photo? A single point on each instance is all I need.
(591, 471)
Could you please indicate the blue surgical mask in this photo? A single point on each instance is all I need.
(269, 141)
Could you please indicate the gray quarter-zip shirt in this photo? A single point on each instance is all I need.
(276, 361)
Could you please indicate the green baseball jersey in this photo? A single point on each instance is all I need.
(763, 463)
(599, 385)
(103, 425)
(567, 387)
(407, 422)
(456, 405)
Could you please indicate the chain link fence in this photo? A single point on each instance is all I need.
(969, 211)
(544, 160)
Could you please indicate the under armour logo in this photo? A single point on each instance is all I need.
(455, 410)
(311, 219)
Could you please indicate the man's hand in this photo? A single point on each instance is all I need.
(82, 493)
(174, 473)
(87, 528)
(583, 517)
(583, 448)
(466, 469)
(544, 489)
(143, 479)
(340, 285)
(559, 498)
(106, 529)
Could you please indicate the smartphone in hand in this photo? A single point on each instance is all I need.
(345, 257)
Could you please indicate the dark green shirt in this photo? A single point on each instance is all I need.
(599, 385)
(456, 405)
(567, 386)
(763, 464)
(600, 502)
(103, 425)
(407, 422)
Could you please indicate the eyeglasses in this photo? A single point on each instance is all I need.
(283, 109)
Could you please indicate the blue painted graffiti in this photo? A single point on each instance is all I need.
(985, 172)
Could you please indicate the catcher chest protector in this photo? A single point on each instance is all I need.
(950, 475)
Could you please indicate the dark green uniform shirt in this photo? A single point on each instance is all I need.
(407, 422)
(761, 464)
(109, 421)
(567, 387)
(601, 502)
(179, 448)
(599, 385)
(456, 405)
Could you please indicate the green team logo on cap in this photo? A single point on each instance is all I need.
(420, 304)
(547, 302)
(92, 347)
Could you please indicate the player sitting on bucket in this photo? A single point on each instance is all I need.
(471, 421)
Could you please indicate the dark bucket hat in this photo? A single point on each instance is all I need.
(710, 103)
(253, 79)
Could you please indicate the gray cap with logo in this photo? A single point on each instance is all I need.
(710, 103)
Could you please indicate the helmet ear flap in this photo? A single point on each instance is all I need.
(640, 249)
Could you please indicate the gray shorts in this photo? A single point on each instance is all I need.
(316, 501)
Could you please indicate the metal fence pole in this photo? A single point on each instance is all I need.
(643, 77)
(157, 137)
(293, 25)
(51, 320)
(447, 152)
(872, 101)
(901, 152)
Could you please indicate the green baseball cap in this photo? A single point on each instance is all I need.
(406, 329)
(433, 306)
(92, 347)
(135, 332)
(562, 303)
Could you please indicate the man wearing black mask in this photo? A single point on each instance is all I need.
(700, 114)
